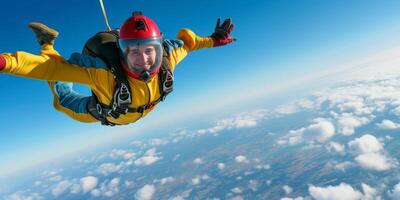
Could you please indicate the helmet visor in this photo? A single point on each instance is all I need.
(142, 54)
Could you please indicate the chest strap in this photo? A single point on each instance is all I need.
(122, 97)
(101, 111)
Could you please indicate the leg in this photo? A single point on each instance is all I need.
(70, 102)
(44, 34)
(65, 99)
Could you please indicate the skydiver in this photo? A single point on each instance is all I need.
(125, 88)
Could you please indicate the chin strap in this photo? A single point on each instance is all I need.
(145, 76)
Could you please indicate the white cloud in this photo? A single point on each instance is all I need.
(88, 183)
(374, 161)
(128, 183)
(320, 131)
(120, 153)
(347, 123)
(343, 192)
(371, 153)
(50, 173)
(395, 193)
(287, 189)
(23, 195)
(241, 159)
(196, 180)
(165, 180)
(197, 161)
(185, 194)
(112, 187)
(148, 158)
(286, 109)
(76, 188)
(354, 104)
(107, 168)
(253, 185)
(343, 165)
(396, 111)
(60, 188)
(370, 193)
(242, 120)
(177, 198)
(294, 137)
(340, 192)
(205, 177)
(146, 192)
(221, 166)
(366, 144)
(158, 141)
(107, 188)
(236, 190)
(336, 147)
(266, 166)
(388, 124)
(296, 198)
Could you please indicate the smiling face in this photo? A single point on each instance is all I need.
(141, 57)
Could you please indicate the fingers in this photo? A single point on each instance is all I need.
(231, 29)
(218, 22)
(226, 24)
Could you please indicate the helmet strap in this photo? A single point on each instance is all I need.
(145, 75)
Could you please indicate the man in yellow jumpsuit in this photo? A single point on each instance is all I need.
(143, 52)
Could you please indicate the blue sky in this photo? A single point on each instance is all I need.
(278, 41)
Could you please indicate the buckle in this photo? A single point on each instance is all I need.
(168, 83)
(113, 114)
(141, 109)
(124, 96)
(99, 109)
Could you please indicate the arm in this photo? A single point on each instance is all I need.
(51, 68)
(192, 42)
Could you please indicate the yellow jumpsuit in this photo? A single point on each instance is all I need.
(50, 66)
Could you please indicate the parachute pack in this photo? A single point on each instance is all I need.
(104, 46)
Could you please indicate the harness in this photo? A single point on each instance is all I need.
(104, 45)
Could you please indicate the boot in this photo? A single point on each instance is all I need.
(44, 34)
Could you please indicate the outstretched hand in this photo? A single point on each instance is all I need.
(222, 33)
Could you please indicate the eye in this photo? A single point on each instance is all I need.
(134, 52)
(149, 51)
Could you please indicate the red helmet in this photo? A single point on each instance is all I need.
(140, 39)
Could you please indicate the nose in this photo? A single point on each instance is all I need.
(142, 59)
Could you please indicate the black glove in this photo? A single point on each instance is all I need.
(222, 33)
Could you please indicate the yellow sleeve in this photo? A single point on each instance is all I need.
(51, 68)
(191, 42)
